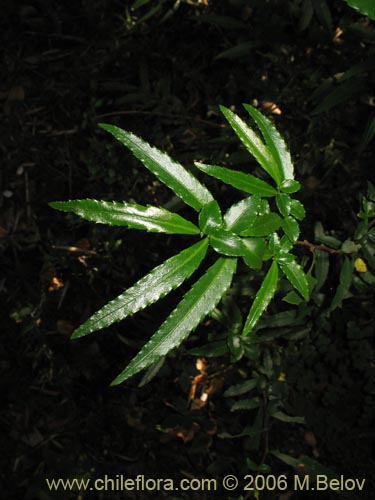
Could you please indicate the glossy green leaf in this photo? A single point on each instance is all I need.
(264, 225)
(264, 207)
(290, 186)
(323, 13)
(296, 277)
(210, 217)
(211, 350)
(276, 146)
(226, 243)
(196, 304)
(134, 216)
(297, 209)
(245, 182)
(168, 171)
(158, 283)
(291, 228)
(346, 276)
(262, 298)
(253, 252)
(365, 7)
(253, 143)
(345, 90)
(241, 215)
(284, 204)
(285, 258)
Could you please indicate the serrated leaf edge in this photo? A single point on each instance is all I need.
(165, 341)
(137, 295)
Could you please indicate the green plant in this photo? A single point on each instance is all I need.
(259, 228)
(162, 9)
(355, 82)
(365, 7)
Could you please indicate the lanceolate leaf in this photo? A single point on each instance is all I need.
(366, 7)
(297, 209)
(239, 180)
(158, 283)
(284, 204)
(263, 225)
(131, 215)
(262, 298)
(241, 215)
(296, 277)
(226, 243)
(196, 304)
(254, 249)
(276, 146)
(168, 171)
(253, 143)
(291, 228)
(346, 276)
(210, 217)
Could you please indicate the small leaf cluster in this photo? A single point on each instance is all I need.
(357, 256)
(263, 226)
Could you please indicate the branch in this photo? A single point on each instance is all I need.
(322, 247)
